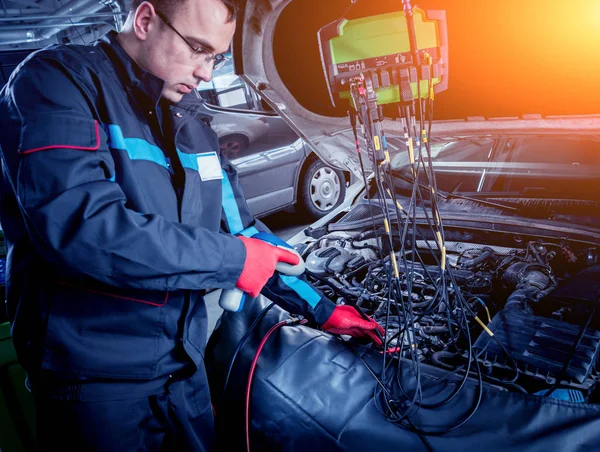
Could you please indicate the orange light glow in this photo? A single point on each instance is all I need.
(516, 57)
(506, 57)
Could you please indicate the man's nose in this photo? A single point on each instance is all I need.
(204, 71)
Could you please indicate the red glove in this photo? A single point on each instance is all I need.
(259, 266)
(346, 320)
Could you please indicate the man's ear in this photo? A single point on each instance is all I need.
(144, 20)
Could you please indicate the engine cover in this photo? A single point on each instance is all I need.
(539, 345)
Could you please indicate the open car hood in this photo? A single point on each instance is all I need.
(512, 68)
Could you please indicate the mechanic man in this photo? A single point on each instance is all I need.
(119, 213)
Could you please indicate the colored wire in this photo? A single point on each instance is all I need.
(241, 343)
(253, 368)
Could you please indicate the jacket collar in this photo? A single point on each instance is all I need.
(193, 103)
(145, 87)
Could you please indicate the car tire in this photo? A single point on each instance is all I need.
(322, 188)
(233, 145)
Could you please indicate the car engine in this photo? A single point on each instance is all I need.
(518, 308)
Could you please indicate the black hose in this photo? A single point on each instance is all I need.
(437, 358)
(520, 297)
(369, 235)
(488, 254)
(435, 329)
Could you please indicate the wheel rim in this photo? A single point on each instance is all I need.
(325, 188)
(232, 146)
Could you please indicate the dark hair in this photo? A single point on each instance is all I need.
(169, 6)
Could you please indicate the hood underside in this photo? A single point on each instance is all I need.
(511, 69)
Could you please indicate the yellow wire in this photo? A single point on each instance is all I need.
(484, 326)
(395, 264)
(442, 248)
(397, 202)
(488, 314)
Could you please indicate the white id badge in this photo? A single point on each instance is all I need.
(209, 166)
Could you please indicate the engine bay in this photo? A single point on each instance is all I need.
(512, 310)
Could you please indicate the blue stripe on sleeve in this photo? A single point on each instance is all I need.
(249, 232)
(189, 161)
(139, 149)
(232, 212)
(115, 137)
(305, 292)
(136, 148)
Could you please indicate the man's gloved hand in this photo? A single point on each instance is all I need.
(346, 320)
(259, 266)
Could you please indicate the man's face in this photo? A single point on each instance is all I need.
(203, 24)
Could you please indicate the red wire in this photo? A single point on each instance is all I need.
(251, 374)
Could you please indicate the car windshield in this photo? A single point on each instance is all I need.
(533, 166)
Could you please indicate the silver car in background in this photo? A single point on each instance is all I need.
(277, 169)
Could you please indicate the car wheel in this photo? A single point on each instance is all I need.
(233, 145)
(322, 189)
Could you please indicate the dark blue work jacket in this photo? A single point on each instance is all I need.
(113, 236)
